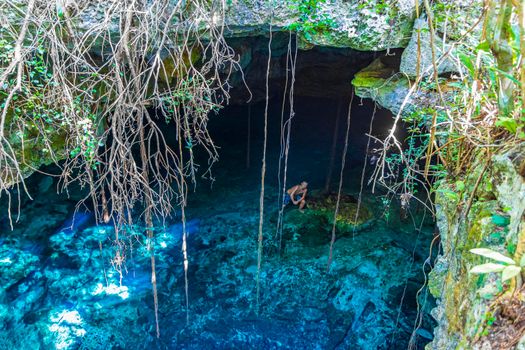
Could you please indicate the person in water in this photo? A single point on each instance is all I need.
(297, 195)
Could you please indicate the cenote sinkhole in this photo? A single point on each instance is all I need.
(66, 286)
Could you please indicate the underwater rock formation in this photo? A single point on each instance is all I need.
(319, 217)
(63, 290)
(351, 214)
(467, 314)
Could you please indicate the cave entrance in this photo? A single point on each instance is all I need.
(371, 297)
(321, 98)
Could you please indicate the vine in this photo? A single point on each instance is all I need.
(89, 100)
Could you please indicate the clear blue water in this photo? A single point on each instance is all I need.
(62, 288)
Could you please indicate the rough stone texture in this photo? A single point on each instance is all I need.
(465, 299)
(362, 26)
(351, 217)
(409, 58)
(453, 19)
(249, 18)
(32, 150)
(320, 72)
(351, 23)
(382, 82)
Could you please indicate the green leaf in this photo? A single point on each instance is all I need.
(451, 195)
(508, 123)
(510, 272)
(484, 46)
(488, 253)
(460, 185)
(500, 220)
(506, 75)
(499, 285)
(487, 268)
(467, 62)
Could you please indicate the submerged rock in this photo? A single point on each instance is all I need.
(77, 297)
(351, 215)
(315, 223)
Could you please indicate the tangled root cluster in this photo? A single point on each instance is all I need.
(84, 82)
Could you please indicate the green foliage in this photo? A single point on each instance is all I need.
(500, 220)
(7, 50)
(511, 248)
(379, 6)
(507, 266)
(483, 68)
(42, 123)
(311, 21)
(178, 100)
(489, 320)
(449, 194)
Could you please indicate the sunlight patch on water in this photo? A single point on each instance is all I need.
(66, 327)
(111, 289)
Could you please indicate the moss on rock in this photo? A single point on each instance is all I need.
(348, 218)
(34, 143)
(318, 218)
(494, 221)
(382, 84)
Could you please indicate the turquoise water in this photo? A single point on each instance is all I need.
(63, 288)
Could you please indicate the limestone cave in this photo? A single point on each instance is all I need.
(295, 174)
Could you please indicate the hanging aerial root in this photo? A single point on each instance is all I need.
(106, 103)
(363, 171)
(343, 161)
(285, 141)
(263, 172)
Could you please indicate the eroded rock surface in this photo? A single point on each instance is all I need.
(495, 221)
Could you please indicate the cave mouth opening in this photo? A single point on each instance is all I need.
(321, 96)
(373, 296)
(370, 298)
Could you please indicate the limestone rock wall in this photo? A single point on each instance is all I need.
(471, 311)
(373, 25)
(495, 221)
